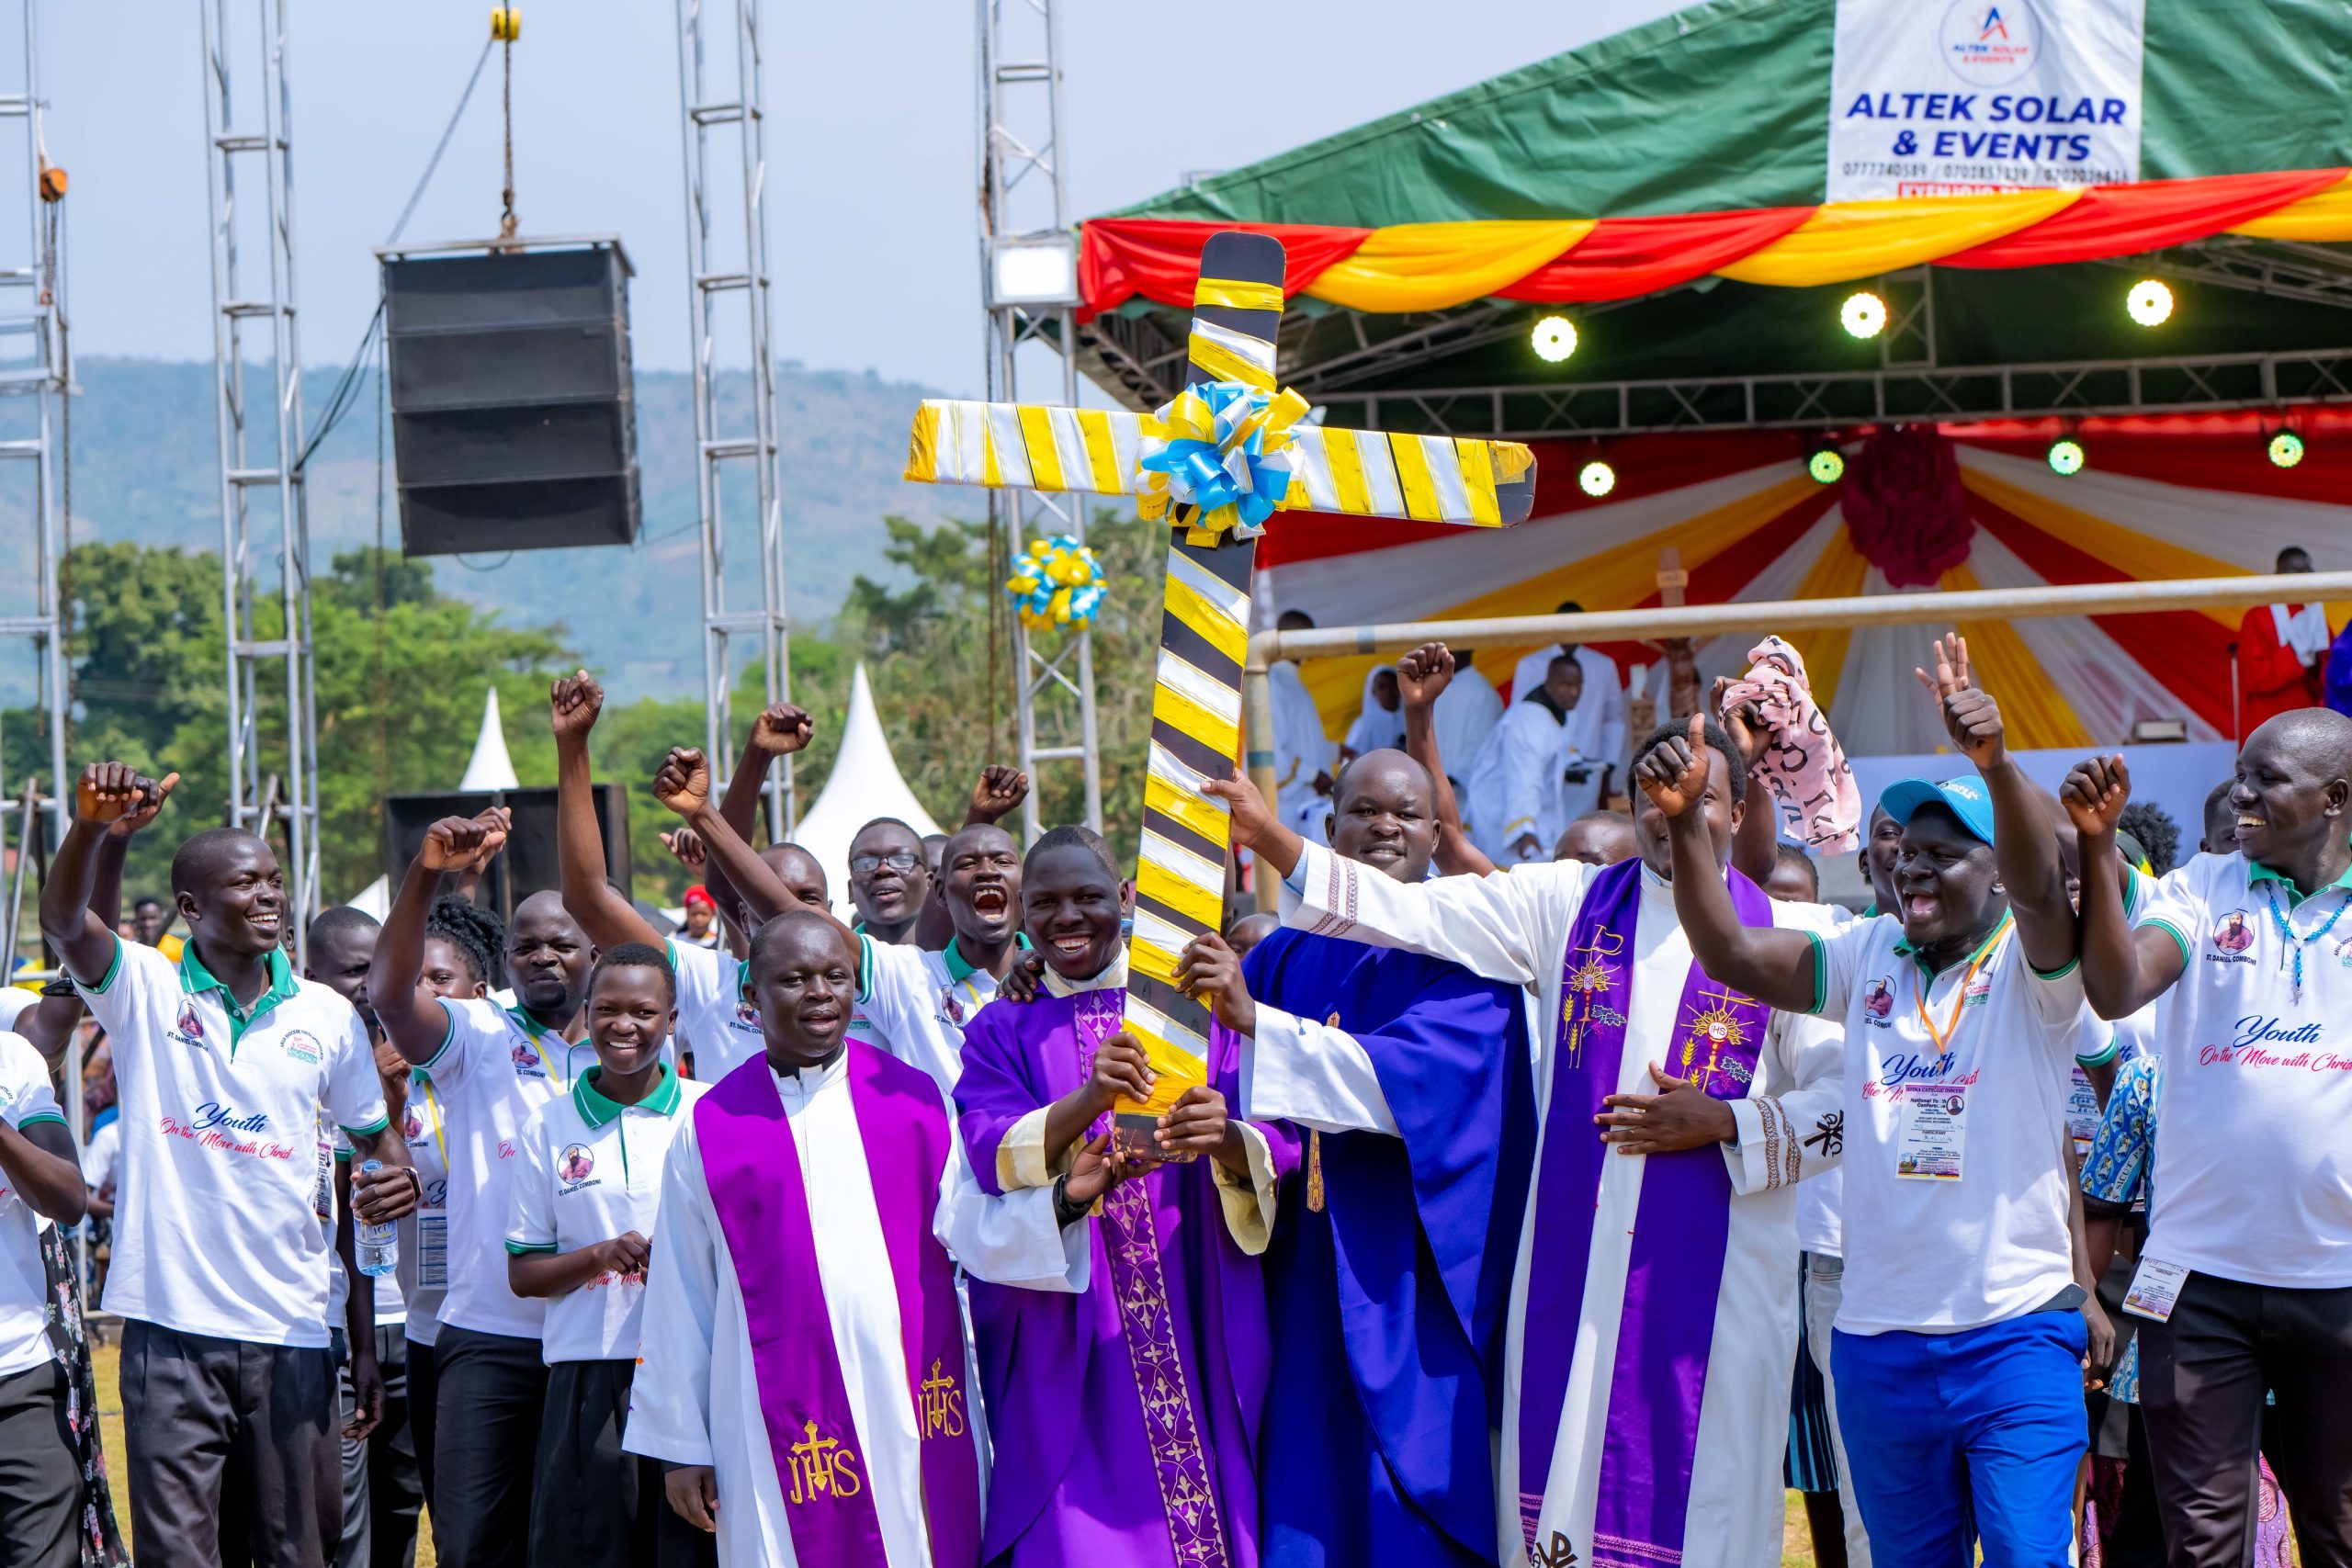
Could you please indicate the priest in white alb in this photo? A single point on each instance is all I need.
(1653, 1320)
(806, 1373)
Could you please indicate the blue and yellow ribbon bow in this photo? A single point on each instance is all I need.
(1223, 448)
(1055, 582)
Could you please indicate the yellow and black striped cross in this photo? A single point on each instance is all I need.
(1204, 631)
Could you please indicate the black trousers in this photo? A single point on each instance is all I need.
(595, 1506)
(395, 1489)
(486, 1445)
(349, 1548)
(40, 1483)
(424, 1407)
(199, 1414)
(2202, 1378)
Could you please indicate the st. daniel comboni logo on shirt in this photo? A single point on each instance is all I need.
(301, 1047)
(1879, 1002)
(574, 1168)
(2232, 935)
(188, 1030)
(527, 1061)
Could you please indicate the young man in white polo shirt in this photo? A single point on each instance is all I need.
(1963, 1324)
(40, 1482)
(578, 1232)
(490, 1067)
(223, 1061)
(2245, 1282)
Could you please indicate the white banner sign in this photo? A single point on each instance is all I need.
(1945, 97)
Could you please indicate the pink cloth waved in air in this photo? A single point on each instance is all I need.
(1801, 762)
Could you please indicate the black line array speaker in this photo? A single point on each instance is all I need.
(514, 411)
(527, 865)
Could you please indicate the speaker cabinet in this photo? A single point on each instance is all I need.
(513, 411)
(527, 865)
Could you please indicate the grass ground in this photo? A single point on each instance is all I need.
(1796, 1548)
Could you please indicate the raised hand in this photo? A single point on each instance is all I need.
(109, 792)
(1423, 674)
(1121, 1072)
(1251, 819)
(1743, 722)
(1971, 717)
(2095, 794)
(1210, 971)
(498, 825)
(1674, 775)
(781, 729)
(573, 704)
(996, 794)
(455, 843)
(687, 845)
(144, 810)
(682, 781)
(1197, 1124)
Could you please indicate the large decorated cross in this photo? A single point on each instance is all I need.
(1217, 462)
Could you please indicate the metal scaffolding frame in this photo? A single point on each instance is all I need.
(261, 449)
(1025, 198)
(32, 309)
(710, 284)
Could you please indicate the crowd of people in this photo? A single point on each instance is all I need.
(1558, 1182)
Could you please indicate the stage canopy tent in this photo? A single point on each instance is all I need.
(1666, 188)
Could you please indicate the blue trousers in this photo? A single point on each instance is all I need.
(1974, 1433)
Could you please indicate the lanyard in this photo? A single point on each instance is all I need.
(433, 1121)
(1943, 1037)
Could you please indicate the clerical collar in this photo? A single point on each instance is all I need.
(808, 1080)
(1114, 978)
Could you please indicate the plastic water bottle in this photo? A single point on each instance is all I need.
(378, 1246)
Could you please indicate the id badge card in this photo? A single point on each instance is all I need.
(2156, 1289)
(432, 1251)
(1932, 1134)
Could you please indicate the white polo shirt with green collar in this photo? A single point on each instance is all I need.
(591, 1170)
(25, 1100)
(2253, 1172)
(716, 1021)
(496, 1065)
(216, 1231)
(921, 1002)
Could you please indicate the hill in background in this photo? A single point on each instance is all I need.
(146, 470)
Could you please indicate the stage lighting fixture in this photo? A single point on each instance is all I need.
(2066, 455)
(1826, 462)
(2285, 449)
(1597, 479)
(1555, 338)
(2150, 302)
(1863, 314)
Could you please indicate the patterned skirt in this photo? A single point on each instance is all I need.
(101, 1537)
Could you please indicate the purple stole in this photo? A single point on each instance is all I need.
(1681, 1225)
(1148, 1323)
(753, 1173)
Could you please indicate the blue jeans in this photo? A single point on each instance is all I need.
(1975, 1433)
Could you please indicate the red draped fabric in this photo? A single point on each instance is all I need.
(1625, 258)
(2113, 221)
(1158, 258)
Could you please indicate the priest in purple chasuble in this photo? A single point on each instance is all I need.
(1391, 1266)
(1130, 1406)
(1653, 1320)
(805, 1374)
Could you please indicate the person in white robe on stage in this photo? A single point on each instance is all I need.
(807, 1376)
(1521, 800)
(1302, 754)
(1645, 1409)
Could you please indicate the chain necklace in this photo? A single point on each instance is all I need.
(2296, 944)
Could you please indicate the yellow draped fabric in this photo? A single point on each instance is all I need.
(1428, 266)
(1861, 238)
(1838, 572)
(2034, 716)
(2135, 555)
(2324, 215)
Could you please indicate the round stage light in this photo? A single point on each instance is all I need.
(2066, 455)
(1597, 479)
(1826, 464)
(2285, 449)
(1555, 338)
(2149, 303)
(1863, 314)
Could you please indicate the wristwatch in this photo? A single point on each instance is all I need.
(1066, 1213)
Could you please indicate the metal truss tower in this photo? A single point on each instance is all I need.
(1030, 356)
(727, 261)
(33, 366)
(273, 750)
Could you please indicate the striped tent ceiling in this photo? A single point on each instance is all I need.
(2160, 498)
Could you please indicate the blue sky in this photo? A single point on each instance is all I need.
(871, 130)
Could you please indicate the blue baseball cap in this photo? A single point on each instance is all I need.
(1964, 799)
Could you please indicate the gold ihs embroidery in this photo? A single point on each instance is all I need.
(822, 1465)
(942, 1405)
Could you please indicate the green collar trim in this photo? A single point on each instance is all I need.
(960, 968)
(1904, 949)
(195, 979)
(2257, 872)
(595, 1110)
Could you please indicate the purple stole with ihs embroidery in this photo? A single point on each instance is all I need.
(753, 1169)
(1681, 1225)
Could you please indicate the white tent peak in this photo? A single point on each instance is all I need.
(489, 767)
(865, 783)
